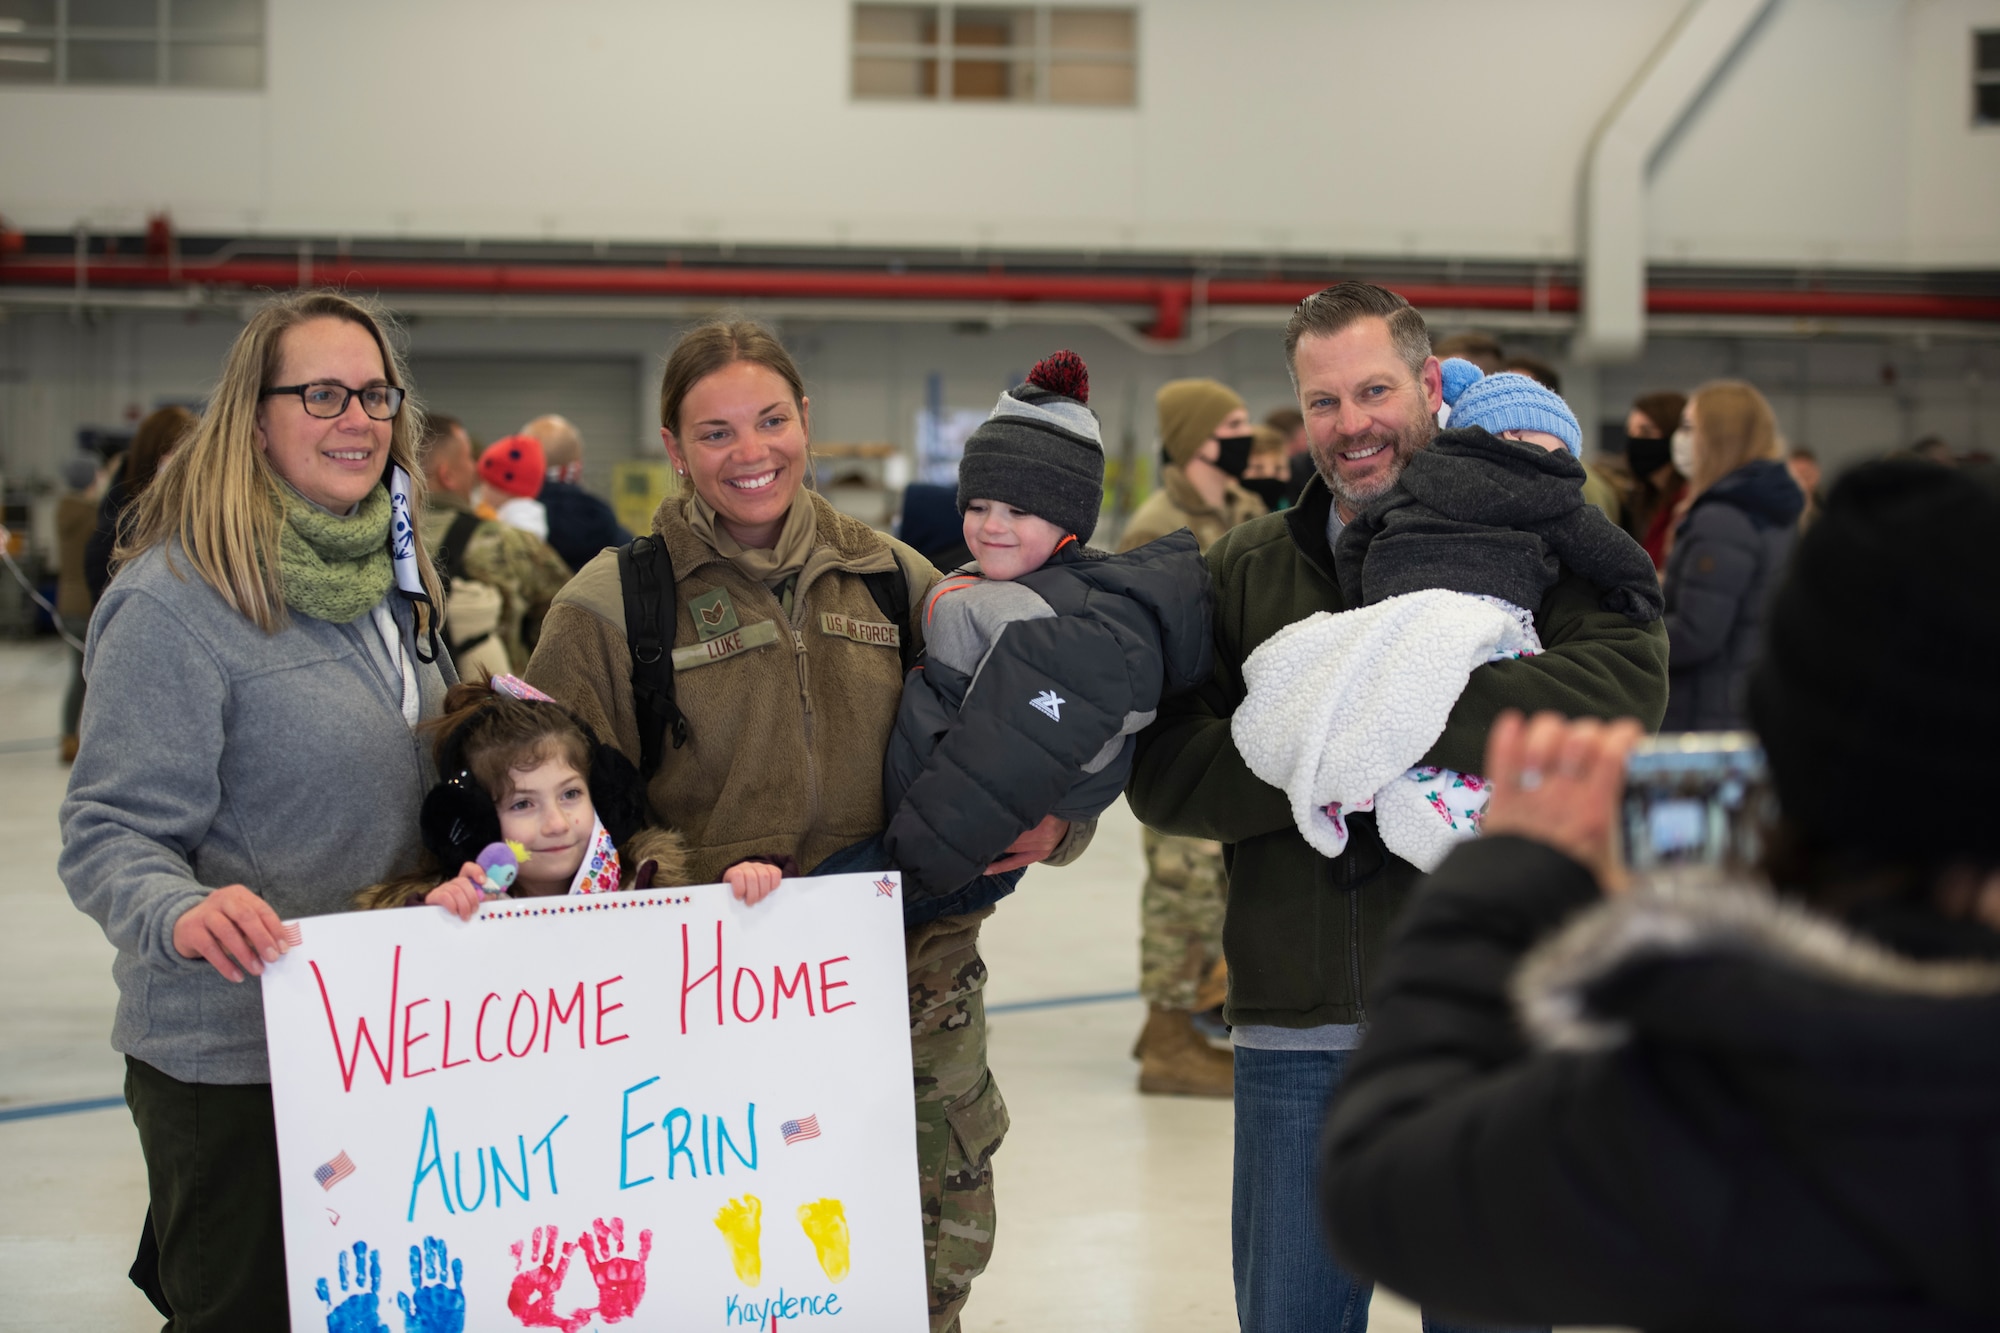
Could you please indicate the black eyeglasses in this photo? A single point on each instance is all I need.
(380, 401)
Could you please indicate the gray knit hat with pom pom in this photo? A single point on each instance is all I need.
(1040, 450)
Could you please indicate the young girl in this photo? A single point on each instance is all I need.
(519, 768)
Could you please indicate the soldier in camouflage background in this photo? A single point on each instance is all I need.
(1205, 443)
(524, 570)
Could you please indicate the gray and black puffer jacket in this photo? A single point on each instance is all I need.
(1027, 700)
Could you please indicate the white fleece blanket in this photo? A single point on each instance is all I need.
(1339, 707)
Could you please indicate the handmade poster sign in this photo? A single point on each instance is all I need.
(631, 1110)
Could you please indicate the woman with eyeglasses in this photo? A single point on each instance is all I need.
(256, 670)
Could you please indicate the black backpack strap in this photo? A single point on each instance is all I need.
(891, 590)
(646, 578)
(451, 555)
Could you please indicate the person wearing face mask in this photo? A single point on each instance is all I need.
(1269, 476)
(1657, 484)
(1206, 446)
(1205, 443)
(1742, 513)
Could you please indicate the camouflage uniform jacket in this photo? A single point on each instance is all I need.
(524, 570)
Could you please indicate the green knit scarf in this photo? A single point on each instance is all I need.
(335, 567)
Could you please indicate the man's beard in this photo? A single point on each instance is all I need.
(1402, 443)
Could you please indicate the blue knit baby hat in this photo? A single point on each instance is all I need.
(1507, 402)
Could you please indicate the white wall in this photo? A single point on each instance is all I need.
(1430, 127)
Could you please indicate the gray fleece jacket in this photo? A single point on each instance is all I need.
(214, 754)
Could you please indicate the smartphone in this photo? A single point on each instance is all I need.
(1696, 798)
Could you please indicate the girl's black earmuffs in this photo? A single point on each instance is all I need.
(458, 818)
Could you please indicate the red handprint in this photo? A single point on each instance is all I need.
(532, 1298)
(621, 1282)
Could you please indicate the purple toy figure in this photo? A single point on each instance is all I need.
(502, 863)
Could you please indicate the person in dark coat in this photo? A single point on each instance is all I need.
(157, 437)
(933, 526)
(1657, 484)
(580, 524)
(1695, 1102)
(1727, 556)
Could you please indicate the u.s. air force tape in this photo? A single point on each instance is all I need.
(758, 635)
(861, 631)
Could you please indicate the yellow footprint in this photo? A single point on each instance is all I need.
(741, 1222)
(825, 1225)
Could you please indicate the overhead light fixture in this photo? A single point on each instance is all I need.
(26, 55)
(13, 25)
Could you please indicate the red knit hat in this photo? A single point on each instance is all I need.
(514, 465)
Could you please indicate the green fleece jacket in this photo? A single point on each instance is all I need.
(1303, 931)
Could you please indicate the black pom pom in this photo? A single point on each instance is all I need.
(1064, 373)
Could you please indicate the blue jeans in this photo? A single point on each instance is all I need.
(1286, 1277)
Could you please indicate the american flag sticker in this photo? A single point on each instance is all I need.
(885, 887)
(290, 933)
(340, 1168)
(795, 1131)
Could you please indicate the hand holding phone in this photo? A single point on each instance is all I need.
(1558, 781)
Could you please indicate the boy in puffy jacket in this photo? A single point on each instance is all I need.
(1041, 665)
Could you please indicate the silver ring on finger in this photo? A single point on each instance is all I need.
(1530, 779)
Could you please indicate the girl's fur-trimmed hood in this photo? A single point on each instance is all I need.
(1559, 990)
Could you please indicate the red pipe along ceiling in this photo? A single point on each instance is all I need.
(1169, 297)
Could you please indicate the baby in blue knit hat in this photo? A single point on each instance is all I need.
(1504, 482)
(1510, 406)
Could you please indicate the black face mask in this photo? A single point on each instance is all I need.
(1271, 490)
(1645, 457)
(1235, 455)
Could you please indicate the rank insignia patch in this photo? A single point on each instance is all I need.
(714, 614)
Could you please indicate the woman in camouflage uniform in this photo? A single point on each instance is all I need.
(788, 718)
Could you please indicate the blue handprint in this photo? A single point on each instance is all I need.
(360, 1312)
(439, 1306)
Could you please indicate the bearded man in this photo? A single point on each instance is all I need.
(1303, 932)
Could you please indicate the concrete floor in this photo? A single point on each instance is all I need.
(1114, 1208)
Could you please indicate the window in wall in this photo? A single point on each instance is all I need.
(995, 53)
(133, 43)
(1986, 77)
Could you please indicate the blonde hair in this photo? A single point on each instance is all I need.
(1733, 425)
(221, 497)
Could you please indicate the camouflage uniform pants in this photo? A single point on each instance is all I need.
(960, 1116)
(1180, 915)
